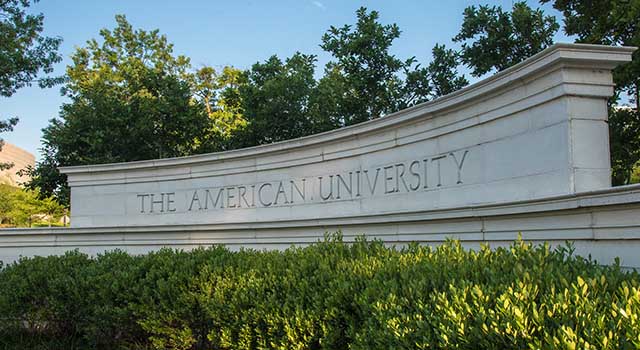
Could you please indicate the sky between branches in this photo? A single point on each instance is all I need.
(238, 33)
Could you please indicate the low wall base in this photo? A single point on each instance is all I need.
(603, 224)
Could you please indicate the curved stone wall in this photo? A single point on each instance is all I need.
(523, 152)
(535, 130)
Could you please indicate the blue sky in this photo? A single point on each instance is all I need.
(237, 33)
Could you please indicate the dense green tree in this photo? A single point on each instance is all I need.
(130, 99)
(493, 39)
(613, 22)
(219, 93)
(624, 132)
(22, 208)
(282, 100)
(443, 72)
(326, 103)
(275, 100)
(24, 53)
(369, 76)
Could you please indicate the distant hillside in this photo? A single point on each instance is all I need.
(20, 159)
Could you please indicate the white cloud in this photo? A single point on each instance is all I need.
(319, 5)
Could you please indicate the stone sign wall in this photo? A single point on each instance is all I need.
(533, 131)
(523, 153)
(423, 174)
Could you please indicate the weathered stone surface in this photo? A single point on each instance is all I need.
(535, 130)
(523, 152)
(603, 224)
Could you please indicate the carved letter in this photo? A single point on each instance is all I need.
(242, 192)
(459, 165)
(260, 194)
(426, 182)
(195, 199)
(301, 193)
(375, 181)
(438, 159)
(142, 197)
(230, 196)
(348, 188)
(170, 200)
(219, 198)
(253, 195)
(357, 183)
(387, 178)
(330, 195)
(415, 174)
(399, 176)
(284, 194)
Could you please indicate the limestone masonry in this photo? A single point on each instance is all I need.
(536, 130)
(525, 151)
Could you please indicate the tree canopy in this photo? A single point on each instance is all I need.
(276, 100)
(24, 54)
(24, 51)
(493, 39)
(130, 99)
(23, 208)
(362, 81)
(369, 74)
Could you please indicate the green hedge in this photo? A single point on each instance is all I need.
(330, 295)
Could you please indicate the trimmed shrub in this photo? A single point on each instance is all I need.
(330, 295)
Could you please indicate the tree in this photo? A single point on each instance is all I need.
(493, 39)
(613, 22)
(24, 53)
(130, 99)
(21, 208)
(220, 95)
(368, 74)
(275, 100)
(442, 72)
(51, 209)
(624, 131)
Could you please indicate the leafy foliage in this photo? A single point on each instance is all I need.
(276, 100)
(368, 72)
(130, 99)
(21, 208)
(282, 100)
(24, 52)
(330, 295)
(624, 133)
(493, 39)
(220, 95)
(442, 72)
